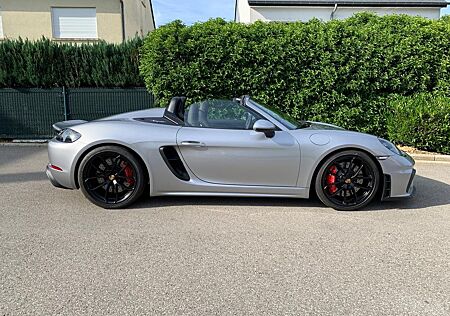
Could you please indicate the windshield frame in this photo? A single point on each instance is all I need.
(282, 118)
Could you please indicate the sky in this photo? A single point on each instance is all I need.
(191, 11)
(446, 11)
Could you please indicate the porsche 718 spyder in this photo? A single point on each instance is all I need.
(224, 148)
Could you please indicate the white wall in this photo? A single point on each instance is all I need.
(138, 18)
(431, 13)
(303, 13)
(289, 14)
(243, 11)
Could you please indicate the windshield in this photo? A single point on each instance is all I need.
(281, 117)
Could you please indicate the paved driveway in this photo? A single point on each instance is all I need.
(59, 254)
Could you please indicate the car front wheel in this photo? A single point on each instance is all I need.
(348, 180)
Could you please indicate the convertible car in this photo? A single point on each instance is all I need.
(224, 148)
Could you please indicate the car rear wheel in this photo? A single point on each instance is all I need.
(347, 181)
(111, 177)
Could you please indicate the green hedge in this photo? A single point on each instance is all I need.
(340, 72)
(47, 64)
(421, 121)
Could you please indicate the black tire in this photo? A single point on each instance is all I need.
(111, 177)
(347, 181)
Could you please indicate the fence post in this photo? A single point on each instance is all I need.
(66, 111)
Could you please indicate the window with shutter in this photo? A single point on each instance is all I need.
(74, 23)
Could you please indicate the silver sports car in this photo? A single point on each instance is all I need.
(224, 148)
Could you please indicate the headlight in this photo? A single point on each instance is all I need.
(390, 146)
(68, 136)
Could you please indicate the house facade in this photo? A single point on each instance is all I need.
(249, 11)
(76, 20)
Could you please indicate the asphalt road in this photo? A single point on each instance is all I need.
(59, 254)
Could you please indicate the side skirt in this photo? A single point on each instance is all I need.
(242, 192)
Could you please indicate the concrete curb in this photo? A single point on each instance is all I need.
(423, 157)
(39, 143)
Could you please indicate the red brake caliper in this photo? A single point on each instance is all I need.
(331, 179)
(129, 174)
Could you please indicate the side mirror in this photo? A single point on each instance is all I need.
(266, 127)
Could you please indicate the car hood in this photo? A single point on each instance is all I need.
(323, 126)
(322, 134)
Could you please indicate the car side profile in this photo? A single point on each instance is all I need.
(224, 148)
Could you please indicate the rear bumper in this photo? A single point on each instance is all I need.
(64, 156)
(49, 172)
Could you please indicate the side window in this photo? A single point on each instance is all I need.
(220, 114)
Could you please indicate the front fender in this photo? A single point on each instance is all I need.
(313, 155)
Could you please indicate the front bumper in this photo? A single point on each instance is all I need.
(399, 174)
(387, 187)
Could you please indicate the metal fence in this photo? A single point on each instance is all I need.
(30, 113)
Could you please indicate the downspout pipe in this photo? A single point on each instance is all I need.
(153, 14)
(334, 11)
(122, 16)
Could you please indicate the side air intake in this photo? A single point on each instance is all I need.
(173, 161)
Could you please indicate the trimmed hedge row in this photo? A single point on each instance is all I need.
(46, 64)
(341, 72)
(422, 121)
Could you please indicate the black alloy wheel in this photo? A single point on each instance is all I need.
(347, 181)
(111, 177)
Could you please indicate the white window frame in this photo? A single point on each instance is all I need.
(56, 31)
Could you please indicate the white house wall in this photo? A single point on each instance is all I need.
(431, 13)
(289, 14)
(243, 11)
(303, 13)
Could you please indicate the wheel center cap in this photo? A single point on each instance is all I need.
(112, 177)
(348, 181)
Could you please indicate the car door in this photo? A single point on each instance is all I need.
(219, 146)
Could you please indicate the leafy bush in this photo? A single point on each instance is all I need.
(47, 64)
(340, 72)
(422, 121)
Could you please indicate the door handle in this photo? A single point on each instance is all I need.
(193, 143)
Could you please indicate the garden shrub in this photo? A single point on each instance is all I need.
(340, 72)
(46, 64)
(421, 121)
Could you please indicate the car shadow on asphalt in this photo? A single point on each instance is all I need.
(167, 201)
(22, 177)
(429, 193)
(10, 154)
